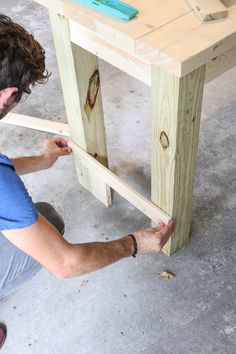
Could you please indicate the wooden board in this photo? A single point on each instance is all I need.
(152, 14)
(167, 33)
(132, 64)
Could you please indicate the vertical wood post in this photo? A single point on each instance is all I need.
(80, 81)
(176, 115)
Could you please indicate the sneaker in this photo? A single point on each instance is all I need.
(49, 212)
(3, 334)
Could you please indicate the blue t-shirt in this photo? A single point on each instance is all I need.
(16, 207)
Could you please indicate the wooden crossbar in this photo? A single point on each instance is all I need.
(135, 198)
(141, 203)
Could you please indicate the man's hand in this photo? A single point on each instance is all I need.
(153, 239)
(54, 148)
(63, 259)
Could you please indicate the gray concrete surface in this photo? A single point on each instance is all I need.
(126, 308)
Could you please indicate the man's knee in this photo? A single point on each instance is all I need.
(49, 212)
(16, 267)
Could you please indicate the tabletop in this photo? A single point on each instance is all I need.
(164, 31)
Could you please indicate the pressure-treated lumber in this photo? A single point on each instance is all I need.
(153, 14)
(96, 168)
(209, 10)
(132, 64)
(176, 114)
(136, 199)
(181, 51)
(45, 125)
(165, 33)
(82, 96)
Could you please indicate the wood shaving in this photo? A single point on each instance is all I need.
(166, 275)
(83, 282)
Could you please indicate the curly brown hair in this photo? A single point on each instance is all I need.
(22, 58)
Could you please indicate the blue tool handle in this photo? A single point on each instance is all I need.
(114, 8)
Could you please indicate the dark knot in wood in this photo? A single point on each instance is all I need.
(164, 140)
(94, 84)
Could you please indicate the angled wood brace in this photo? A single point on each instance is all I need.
(141, 203)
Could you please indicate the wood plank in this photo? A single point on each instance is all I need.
(80, 85)
(136, 199)
(37, 124)
(152, 14)
(134, 65)
(209, 10)
(175, 129)
(165, 33)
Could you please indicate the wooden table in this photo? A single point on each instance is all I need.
(167, 47)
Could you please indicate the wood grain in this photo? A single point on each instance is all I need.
(175, 129)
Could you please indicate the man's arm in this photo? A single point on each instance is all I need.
(52, 149)
(45, 244)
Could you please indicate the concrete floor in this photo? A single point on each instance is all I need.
(126, 308)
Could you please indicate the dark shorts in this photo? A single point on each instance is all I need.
(16, 267)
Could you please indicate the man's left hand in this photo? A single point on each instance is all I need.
(54, 148)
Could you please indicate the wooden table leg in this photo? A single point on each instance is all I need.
(82, 96)
(176, 115)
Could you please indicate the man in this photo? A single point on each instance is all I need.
(31, 234)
